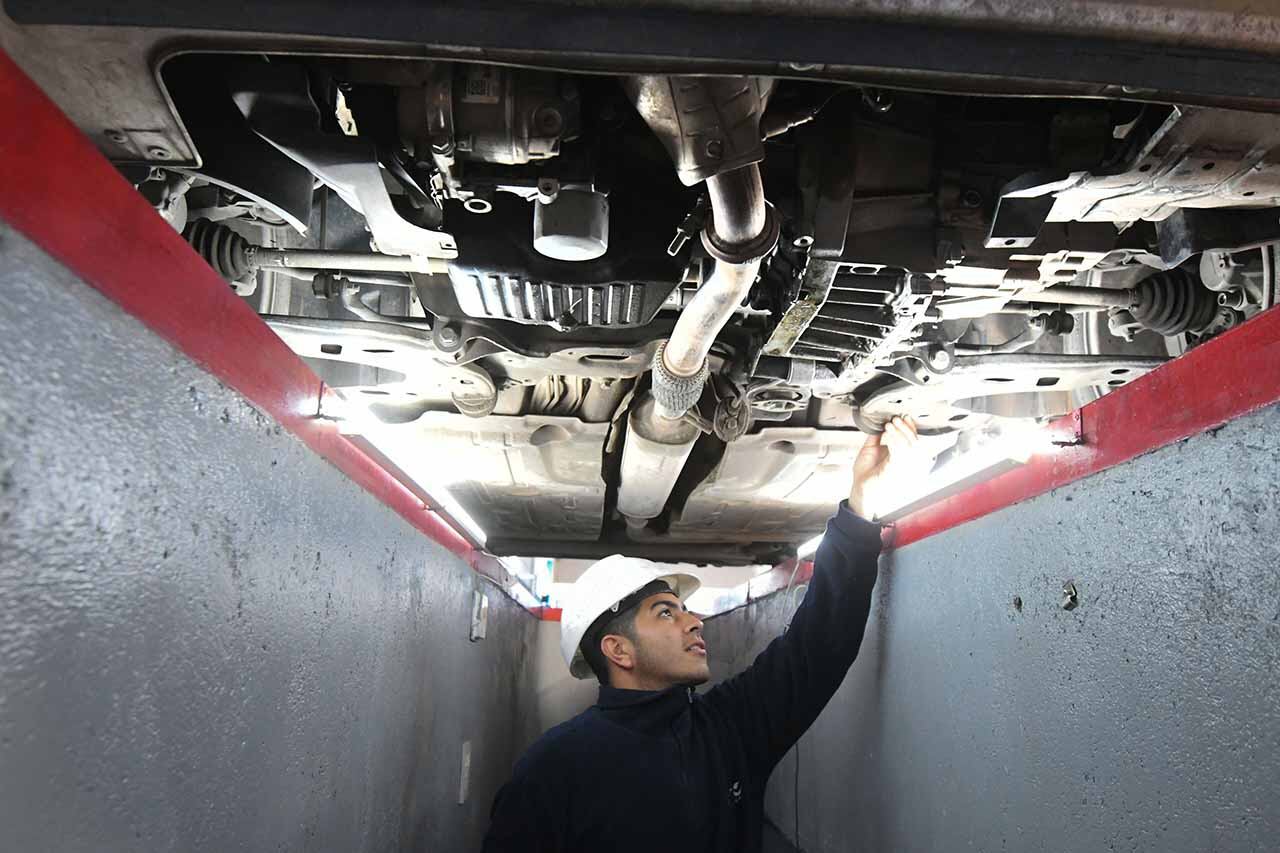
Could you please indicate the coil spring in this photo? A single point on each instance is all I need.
(224, 250)
(1173, 302)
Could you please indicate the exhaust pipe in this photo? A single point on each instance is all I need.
(711, 128)
(742, 231)
(652, 459)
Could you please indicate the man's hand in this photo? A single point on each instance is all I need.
(883, 459)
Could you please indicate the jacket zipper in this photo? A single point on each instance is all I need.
(684, 770)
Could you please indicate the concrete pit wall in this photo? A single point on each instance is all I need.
(210, 639)
(981, 715)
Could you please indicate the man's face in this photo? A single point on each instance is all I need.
(669, 647)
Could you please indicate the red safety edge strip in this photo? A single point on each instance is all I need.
(59, 191)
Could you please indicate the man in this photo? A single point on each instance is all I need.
(655, 766)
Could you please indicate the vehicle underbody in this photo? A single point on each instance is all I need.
(657, 312)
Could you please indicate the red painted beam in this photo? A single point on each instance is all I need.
(59, 191)
(1232, 375)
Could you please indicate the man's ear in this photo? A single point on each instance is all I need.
(618, 650)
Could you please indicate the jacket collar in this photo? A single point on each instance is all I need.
(645, 710)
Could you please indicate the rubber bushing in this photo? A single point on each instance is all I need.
(677, 393)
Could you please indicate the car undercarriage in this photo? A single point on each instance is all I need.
(658, 312)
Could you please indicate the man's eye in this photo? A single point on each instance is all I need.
(664, 612)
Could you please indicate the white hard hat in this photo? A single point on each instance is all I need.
(603, 587)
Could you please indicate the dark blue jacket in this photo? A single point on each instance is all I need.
(676, 770)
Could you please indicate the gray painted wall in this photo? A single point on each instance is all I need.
(1148, 718)
(210, 639)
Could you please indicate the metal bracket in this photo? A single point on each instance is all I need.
(479, 616)
(1021, 210)
(278, 107)
(1003, 385)
(910, 308)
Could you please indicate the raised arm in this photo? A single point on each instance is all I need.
(775, 699)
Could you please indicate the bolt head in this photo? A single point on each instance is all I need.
(715, 149)
(548, 190)
(449, 335)
(159, 153)
(548, 121)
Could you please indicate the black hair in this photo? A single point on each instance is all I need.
(623, 622)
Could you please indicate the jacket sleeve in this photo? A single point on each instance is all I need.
(519, 821)
(775, 699)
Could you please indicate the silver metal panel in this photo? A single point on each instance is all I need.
(779, 485)
(100, 78)
(1013, 385)
(1199, 159)
(531, 476)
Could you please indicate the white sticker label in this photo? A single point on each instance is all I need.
(483, 85)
